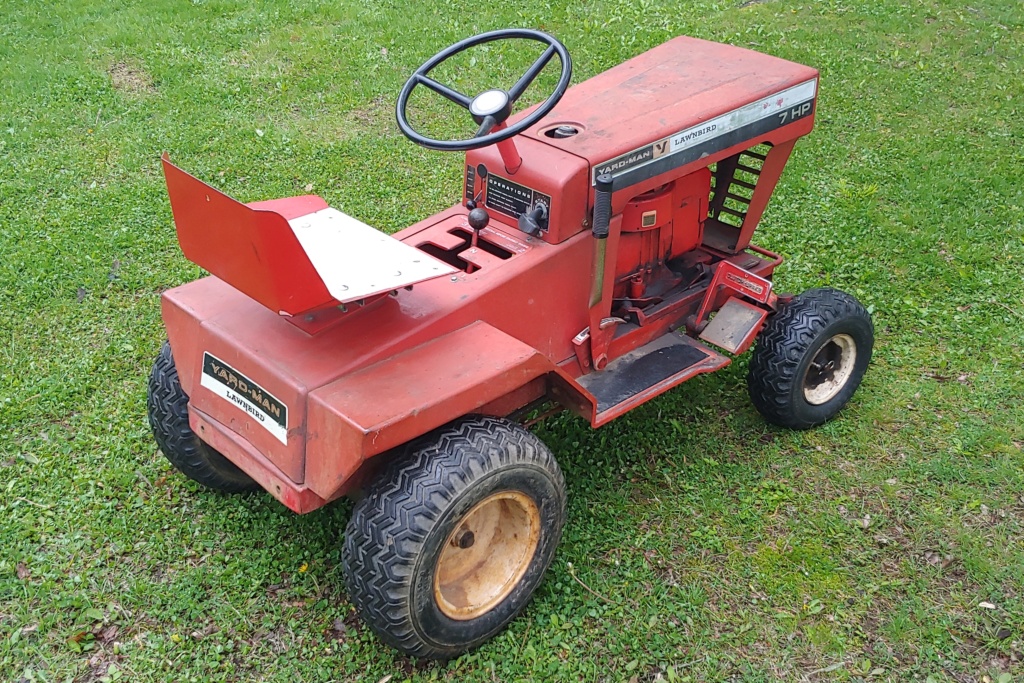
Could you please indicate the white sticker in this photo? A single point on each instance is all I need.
(774, 105)
(266, 409)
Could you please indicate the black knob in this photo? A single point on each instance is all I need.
(603, 188)
(534, 221)
(478, 219)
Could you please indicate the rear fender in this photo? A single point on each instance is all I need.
(388, 404)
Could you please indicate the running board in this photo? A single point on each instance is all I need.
(646, 372)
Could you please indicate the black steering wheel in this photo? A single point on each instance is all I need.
(491, 107)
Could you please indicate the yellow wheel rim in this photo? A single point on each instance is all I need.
(830, 369)
(487, 555)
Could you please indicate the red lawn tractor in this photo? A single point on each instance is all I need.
(600, 255)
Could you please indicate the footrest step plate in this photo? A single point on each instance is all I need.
(646, 372)
(734, 326)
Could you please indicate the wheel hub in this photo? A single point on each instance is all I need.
(487, 555)
(465, 539)
(830, 369)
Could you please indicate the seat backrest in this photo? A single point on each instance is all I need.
(250, 247)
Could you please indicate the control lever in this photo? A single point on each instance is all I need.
(478, 219)
(602, 223)
(535, 220)
(602, 205)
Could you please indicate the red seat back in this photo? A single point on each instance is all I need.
(251, 247)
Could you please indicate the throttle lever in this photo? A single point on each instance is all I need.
(602, 205)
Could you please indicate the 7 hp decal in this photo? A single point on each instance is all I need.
(231, 385)
(797, 112)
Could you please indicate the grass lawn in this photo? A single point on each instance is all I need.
(701, 543)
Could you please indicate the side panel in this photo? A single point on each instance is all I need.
(390, 403)
(297, 497)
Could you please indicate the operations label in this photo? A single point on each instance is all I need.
(713, 135)
(511, 198)
(231, 385)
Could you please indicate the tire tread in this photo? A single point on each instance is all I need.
(390, 524)
(167, 405)
(772, 376)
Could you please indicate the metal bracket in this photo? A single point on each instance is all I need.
(582, 343)
(730, 276)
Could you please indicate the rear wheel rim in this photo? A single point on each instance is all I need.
(487, 555)
(830, 369)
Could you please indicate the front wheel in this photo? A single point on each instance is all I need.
(452, 541)
(810, 358)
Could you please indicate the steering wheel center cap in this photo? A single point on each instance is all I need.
(489, 103)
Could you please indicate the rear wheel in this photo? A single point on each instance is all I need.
(168, 418)
(451, 542)
(810, 358)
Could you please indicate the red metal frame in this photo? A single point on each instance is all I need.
(729, 276)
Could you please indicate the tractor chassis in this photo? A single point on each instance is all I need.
(652, 349)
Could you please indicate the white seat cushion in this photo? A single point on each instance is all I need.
(356, 261)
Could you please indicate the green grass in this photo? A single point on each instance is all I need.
(701, 544)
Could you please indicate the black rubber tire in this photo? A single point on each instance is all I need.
(397, 532)
(788, 344)
(167, 404)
